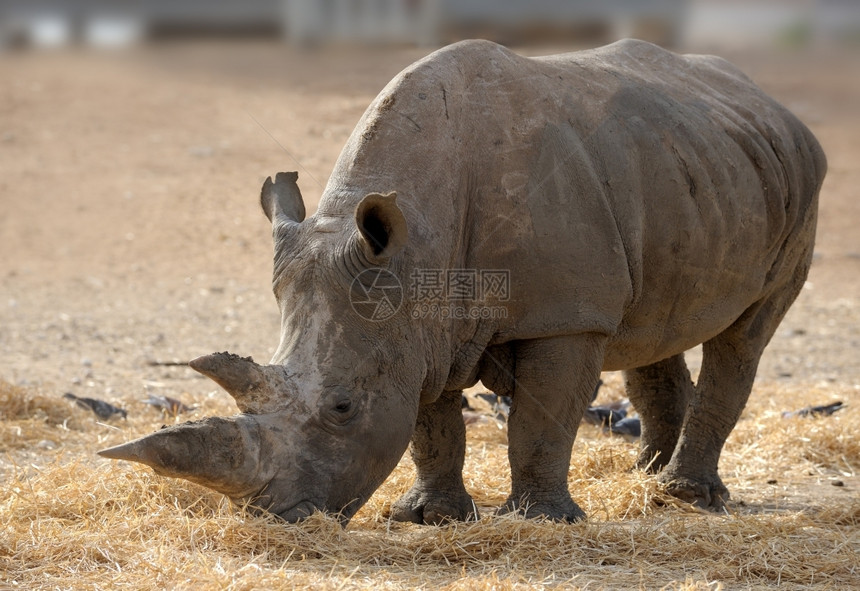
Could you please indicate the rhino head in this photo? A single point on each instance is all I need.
(324, 424)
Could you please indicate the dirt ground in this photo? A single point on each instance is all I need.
(131, 233)
(131, 230)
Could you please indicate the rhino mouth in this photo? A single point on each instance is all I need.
(304, 509)
(298, 512)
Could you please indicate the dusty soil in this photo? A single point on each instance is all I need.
(131, 232)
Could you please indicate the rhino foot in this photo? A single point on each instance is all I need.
(650, 462)
(434, 507)
(710, 495)
(564, 510)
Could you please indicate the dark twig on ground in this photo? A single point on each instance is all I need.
(815, 411)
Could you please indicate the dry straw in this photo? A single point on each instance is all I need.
(74, 521)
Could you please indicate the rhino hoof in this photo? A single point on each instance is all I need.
(433, 507)
(565, 510)
(703, 495)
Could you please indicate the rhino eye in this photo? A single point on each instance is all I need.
(341, 406)
(344, 406)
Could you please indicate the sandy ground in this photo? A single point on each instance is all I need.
(130, 230)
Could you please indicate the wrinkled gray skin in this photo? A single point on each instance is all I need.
(643, 203)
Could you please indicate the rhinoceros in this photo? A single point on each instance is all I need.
(631, 202)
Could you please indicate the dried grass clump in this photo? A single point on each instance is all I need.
(28, 417)
(73, 520)
(18, 403)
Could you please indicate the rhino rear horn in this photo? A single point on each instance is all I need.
(256, 388)
(281, 199)
(222, 454)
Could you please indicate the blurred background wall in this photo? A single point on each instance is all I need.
(109, 23)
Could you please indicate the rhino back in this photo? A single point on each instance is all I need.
(628, 190)
(714, 187)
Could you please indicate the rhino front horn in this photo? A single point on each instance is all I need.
(222, 454)
(255, 388)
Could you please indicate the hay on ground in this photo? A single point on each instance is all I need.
(73, 520)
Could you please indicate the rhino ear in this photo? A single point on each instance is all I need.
(381, 225)
(281, 199)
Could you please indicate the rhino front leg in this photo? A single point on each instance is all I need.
(554, 380)
(660, 392)
(438, 450)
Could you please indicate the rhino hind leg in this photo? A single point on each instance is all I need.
(554, 381)
(729, 364)
(438, 449)
(660, 392)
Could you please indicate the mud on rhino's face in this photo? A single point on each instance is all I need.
(327, 421)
